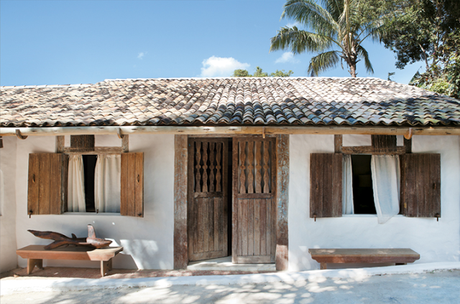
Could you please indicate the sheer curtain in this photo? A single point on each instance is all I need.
(76, 185)
(347, 186)
(385, 182)
(107, 183)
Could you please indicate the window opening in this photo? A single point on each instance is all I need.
(89, 166)
(363, 193)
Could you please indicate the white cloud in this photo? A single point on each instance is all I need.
(141, 55)
(219, 66)
(287, 57)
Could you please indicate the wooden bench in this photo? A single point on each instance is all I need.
(35, 254)
(399, 256)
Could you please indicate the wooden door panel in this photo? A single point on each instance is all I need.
(208, 199)
(253, 201)
(255, 231)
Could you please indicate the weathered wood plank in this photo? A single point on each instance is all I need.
(384, 142)
(407, 145)
(180, 201)
(125, 144)
(282, 199)
(338, 142)
(205, 167)
(250, 236)
(263, 227)
(250, 167)
(421, 185)
(60, 144)
(34, 184)
(242, 162)
(55, 182)
(44, 187)
(258, 167)
(139, 185)
(372, 150)
(325, 185)
(82, 143)
(364, 255)
(256, 221)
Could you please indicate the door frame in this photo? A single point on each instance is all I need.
(180, 200)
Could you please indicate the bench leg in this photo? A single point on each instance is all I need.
(31, 263)
(323, 266)
(106, 266)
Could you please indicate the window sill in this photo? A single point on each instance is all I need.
(92, 213)
(367, 215)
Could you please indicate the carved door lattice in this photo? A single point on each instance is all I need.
(208, 166)
(254, 166)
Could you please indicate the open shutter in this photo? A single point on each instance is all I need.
(325, 185)
(132, 184)
(47, 190)
(421, 185)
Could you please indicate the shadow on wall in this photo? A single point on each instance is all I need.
(137, 254)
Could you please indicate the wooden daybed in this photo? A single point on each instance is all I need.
(35, 254)
(399, 256)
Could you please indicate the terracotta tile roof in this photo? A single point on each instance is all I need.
(227, 101)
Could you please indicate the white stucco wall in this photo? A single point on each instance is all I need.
(8, 258)
(435, 241)
(147, 241)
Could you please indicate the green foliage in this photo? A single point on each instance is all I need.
(281, 73)
(422, 30)
(445, 81)
(260, 73)
(241, 73)
(342, 24)
(428, 31)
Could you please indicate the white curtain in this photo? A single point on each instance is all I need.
(347, 186)
(385, 182)
(76, 185)
(107, 183)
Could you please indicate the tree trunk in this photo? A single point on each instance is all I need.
(352, 69)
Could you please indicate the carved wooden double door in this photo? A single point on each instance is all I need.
(231, 199)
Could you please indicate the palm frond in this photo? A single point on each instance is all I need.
(322, 62)
(362, 53)
(310, 14)
(300, 41)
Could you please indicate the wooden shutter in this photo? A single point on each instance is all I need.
(47, 190)
(325, 185)
(421, 185)
(132, 184)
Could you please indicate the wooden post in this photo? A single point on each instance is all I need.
(338, 141)
(407, 145)
(282, 200)
(180, 202)
(60, 140)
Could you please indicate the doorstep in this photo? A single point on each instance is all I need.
(225, 264)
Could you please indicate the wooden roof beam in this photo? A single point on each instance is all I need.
(234, 130)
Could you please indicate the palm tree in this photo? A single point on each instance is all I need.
(341, 23)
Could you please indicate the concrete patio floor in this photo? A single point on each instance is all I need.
(417, 283)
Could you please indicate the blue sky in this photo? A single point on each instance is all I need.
(83, 41)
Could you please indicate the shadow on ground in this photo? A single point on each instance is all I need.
(433, 287)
